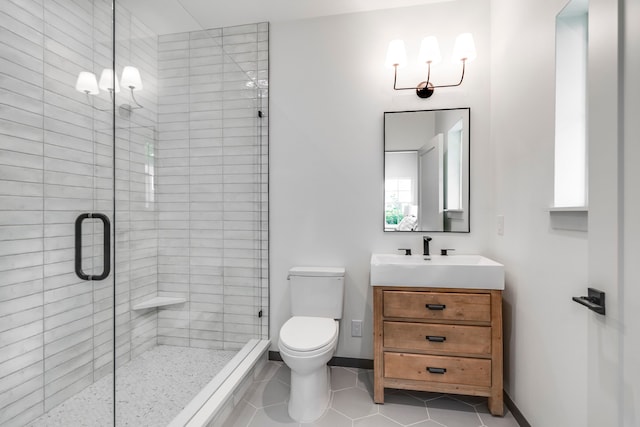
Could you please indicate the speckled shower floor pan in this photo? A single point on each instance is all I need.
(151, 390)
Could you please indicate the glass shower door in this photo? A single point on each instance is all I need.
(56, 213)
(78, 212)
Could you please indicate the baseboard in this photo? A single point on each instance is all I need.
(351, 362)
(522, 421)
(346, 362)
(275, 355)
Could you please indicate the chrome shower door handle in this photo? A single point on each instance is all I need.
(106, 227)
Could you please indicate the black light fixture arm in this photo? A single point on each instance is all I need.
(464, 61)
(395, 80)
(425, 89)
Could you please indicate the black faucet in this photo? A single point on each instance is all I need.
(425, 245)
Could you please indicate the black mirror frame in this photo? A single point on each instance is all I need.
(384, 170)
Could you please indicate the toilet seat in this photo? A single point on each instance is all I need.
(302, 334)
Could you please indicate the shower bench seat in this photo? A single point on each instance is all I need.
(158, 302)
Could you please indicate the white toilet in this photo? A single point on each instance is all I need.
(310, 337)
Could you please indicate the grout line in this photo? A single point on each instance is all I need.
(466, 403)
(479, 417)
(255, 411)
(390, 419)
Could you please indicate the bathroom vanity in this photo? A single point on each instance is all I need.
(445, 339)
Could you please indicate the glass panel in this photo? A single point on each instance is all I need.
(191, 205)
(55, 165)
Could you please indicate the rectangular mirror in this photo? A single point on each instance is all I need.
(426, 170)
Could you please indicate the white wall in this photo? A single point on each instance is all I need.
(545, 339)
(330, 89)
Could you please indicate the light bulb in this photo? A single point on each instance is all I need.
(464, 48)
(429, 51)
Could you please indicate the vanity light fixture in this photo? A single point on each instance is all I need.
(130, 79)
(464, 50)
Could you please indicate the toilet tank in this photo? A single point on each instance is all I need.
(317, 291)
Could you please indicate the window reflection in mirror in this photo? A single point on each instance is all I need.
(453, 168)
(426, 171)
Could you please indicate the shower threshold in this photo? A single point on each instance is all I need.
(150, 389)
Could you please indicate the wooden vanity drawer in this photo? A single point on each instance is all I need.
(440, 369)
(437, 306)
(431, 336)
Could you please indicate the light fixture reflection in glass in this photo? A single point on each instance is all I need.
(107, 79)
(131, 78)
(87, 83)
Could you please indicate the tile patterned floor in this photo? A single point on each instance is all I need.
(352, 405)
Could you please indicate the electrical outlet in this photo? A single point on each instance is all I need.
(356, 328)
(500, 224)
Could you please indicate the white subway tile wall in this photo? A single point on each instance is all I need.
(212, 186)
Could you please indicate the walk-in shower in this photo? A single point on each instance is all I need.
(133, 212)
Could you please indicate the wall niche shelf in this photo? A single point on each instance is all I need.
(158, 302)
(575, 218)
(570, 209)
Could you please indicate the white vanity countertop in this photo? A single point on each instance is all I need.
(438, 271)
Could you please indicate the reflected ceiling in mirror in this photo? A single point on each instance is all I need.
(426, 170)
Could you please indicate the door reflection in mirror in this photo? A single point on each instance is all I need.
(426, 172)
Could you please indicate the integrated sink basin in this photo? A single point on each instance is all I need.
(450, 271)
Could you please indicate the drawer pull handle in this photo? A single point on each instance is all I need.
(435, 306)
(433, 338)
(436, 370)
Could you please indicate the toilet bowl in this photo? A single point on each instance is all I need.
(306, 344)
(310, 337)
